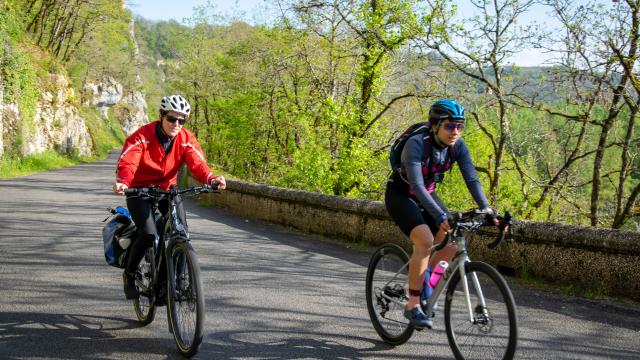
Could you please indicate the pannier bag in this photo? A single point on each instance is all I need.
(117, 235)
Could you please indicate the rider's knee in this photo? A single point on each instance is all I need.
(422, 239)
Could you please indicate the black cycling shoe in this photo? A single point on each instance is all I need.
(161, 300)
(130, 290)
(417, 318)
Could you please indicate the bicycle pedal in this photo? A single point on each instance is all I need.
(422, 328)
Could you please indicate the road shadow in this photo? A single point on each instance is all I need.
(295, 345)
(282, 234)
(71, 336)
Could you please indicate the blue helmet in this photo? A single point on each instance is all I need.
(446, 109)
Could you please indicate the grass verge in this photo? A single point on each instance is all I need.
(47, 160)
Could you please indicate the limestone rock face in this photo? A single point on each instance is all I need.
(133, 112)
(129, 107)
(9, 120)
(103, 95)
(1, 117)
(57, 123)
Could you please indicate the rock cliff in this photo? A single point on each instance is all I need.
(57, 123)
(129, 107)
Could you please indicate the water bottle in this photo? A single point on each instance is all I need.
(426, 289)
(437, 273)
(124, 242)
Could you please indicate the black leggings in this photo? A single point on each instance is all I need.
(405, 211)
(141, 210)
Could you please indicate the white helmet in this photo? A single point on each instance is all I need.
(175, 103)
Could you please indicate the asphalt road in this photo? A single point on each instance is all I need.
(270, 293)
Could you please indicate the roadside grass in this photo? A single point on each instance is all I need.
(48, 160)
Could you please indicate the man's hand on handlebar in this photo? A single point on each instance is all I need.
(220, 182)
(119, 188)
(491, 215)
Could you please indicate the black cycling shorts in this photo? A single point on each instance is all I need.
(405, 211)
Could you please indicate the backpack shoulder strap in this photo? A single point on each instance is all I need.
(427, 149)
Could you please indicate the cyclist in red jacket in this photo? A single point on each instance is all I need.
(152, 156)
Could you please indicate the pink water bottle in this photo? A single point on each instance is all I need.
(439, 270)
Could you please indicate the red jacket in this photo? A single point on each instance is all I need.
(143, 161)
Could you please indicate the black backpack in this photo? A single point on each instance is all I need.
(396, 151)
(398, 145)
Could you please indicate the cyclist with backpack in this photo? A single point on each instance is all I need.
(152, 156)
(420, 158)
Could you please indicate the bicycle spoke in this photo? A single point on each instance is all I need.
(387, 294)
(493, 332)
(143, 305)
(187, 303)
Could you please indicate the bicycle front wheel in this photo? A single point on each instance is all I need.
(144, 304)
(387, 295)
(484, 325)
(186, 300)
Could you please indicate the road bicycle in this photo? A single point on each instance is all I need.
(169, 272)
(479, 311)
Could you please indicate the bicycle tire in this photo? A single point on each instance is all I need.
(494, 332)
(387, 316)
(144, 303)
(185, 298)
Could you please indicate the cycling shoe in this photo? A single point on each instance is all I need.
(417, 318)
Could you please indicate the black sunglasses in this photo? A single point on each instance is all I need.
(172, 119)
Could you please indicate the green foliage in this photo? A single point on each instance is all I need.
(106, 134)
(305, 103)
(48, 160)
(25, 73)
(107, 49)
(18, 73)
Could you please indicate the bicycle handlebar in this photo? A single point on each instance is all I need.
(474, 219)
(154, 191)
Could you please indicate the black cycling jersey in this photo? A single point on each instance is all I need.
(412, 159)
(163, 139)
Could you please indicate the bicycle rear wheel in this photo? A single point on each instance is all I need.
(387, 295)
(186, 300)
(144, 304)
(493, 332)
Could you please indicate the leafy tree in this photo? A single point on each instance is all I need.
(480, 47)
(598, 52)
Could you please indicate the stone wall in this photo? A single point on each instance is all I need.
(1, 115)
(603, 261)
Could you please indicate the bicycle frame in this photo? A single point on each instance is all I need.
(171, 264)
(170, 230)
(458, 264)
(480, 316)
(459, 261)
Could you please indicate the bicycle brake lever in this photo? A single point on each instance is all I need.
(510, 233)
(507, 220)
(497, 241)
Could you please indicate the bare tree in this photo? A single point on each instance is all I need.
(481, 48)
(599, 55)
